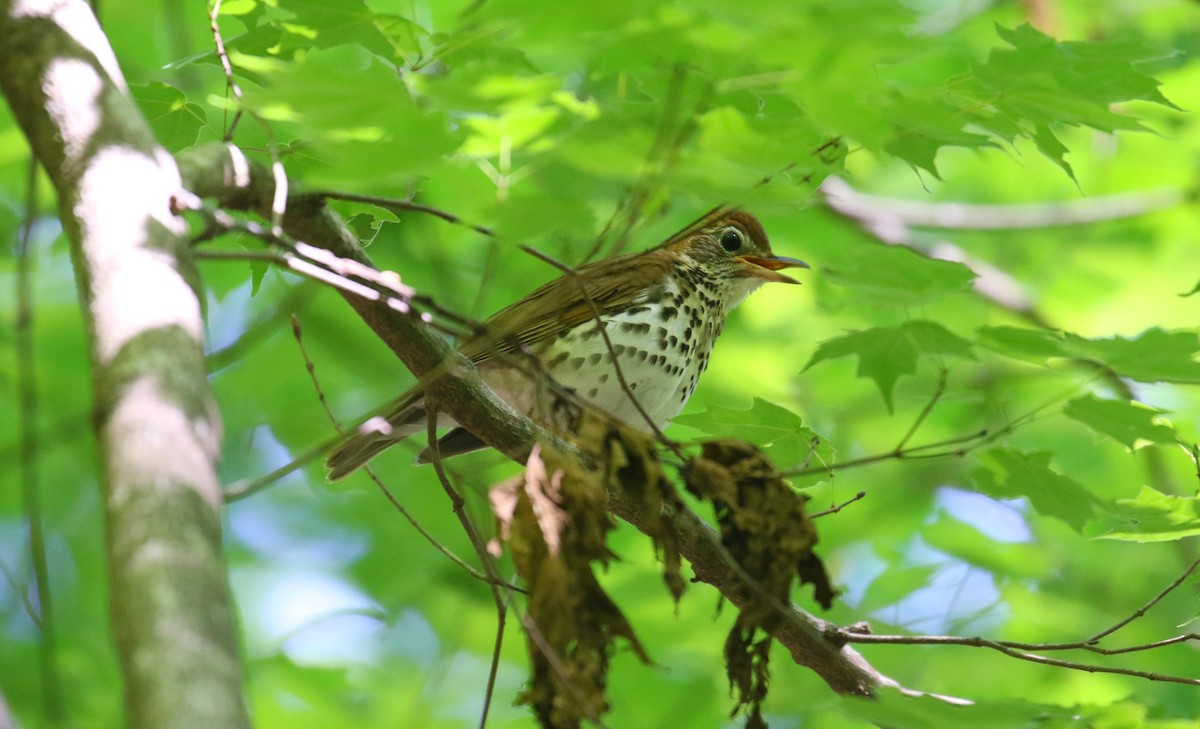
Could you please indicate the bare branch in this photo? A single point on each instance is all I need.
(230, 82)
(887, 211)
(477, 543)
(1023, 651)
(393, 204)
(1149, 604)
(838, 507)
(949, 448)
(938, 391)
(458, 392)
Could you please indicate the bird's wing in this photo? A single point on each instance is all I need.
(568, 301)
(405, 419)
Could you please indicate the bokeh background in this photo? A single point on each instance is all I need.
(549, 125)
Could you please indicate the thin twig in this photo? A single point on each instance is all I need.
(1149, 604)
(1022, 652)
(459, 505)
(1083, 645)
(653, 168)
(230, 82)
(890, 455)
(838, 507)
(403, 204)
(1196, 461)
(320, 264)
(310, 366)
(246, 488)
(279, 197)
(951, 447)
(494, 665)
(393, 204)
(938, 391)
(23, 591)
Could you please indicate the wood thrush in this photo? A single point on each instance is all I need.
(661, 312)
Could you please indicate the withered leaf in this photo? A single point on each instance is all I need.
(765, 528)
(555, 519)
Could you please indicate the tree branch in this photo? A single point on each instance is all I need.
(1024, 651)
(887, 212)
(156, 423)
(223, 173)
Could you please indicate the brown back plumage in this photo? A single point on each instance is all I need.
(567, 302)
(608, 285)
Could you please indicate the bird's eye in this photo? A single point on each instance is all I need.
(731, 239)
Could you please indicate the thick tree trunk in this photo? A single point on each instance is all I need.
(155, 419)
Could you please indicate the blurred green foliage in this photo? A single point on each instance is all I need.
(1064, 494)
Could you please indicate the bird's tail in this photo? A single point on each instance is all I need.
(377, 435)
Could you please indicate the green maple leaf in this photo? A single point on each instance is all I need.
(1151, 516)
(1010, 474)
(1155, 355)
(175, 120)
(1130, 424)
(778, 431)
(885, 354)
(1039, 82)
(1032, 345)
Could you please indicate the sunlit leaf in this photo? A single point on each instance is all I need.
(562, 125)
(354, 110)
(1035, 345)
(1039, 81)
(176, 121)
(1151, 516)
(1055, 151)
(1153, 356)
(1130, 424)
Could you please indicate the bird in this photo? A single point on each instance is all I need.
(629, 335)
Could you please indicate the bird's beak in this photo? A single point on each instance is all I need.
(768, 268)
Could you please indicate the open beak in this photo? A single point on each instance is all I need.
(768, 268)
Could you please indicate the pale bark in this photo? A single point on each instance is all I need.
(156, 423)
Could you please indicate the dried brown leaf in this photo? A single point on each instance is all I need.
(555, 519)
(765, 528)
